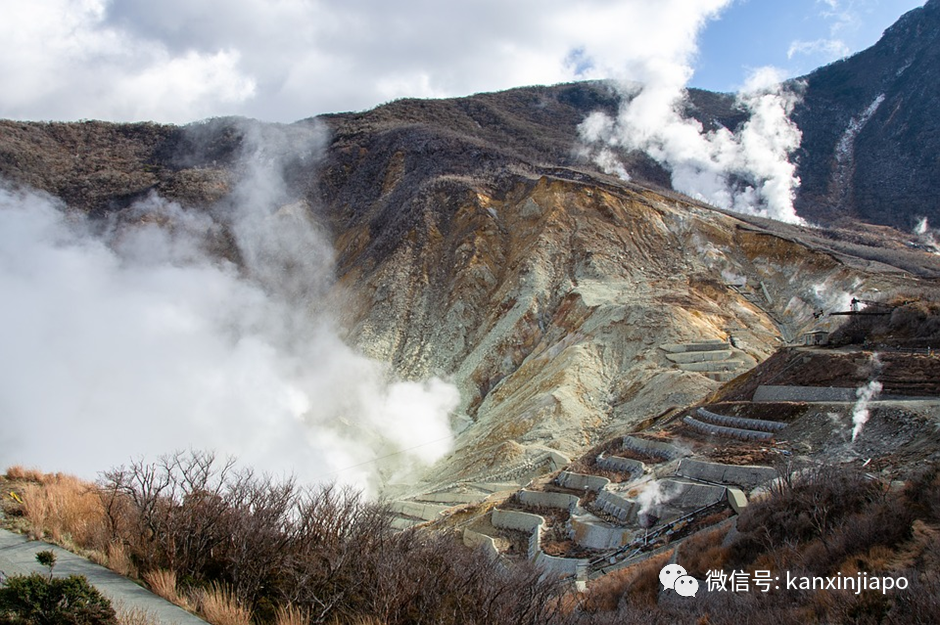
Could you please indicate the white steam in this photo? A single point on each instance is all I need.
(137, 341)
(828, 297)
(747, 170)
(652, 496)
(865, 395)
(926, 237)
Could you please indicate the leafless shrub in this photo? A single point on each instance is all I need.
(804, 505)
(231, 541)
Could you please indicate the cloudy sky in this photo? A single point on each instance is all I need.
(282, 60)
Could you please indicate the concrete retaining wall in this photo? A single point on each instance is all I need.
(535, 543)
(652, 448)
(686, 496)
(766, 393)
(741, 475)
(476, 540)
(618, 506)
(700, 356)
(699, 346)
(495, 487)
(554, 460)
(589, 531)
(562, 567)
(738, 422)
(718, 366)
(524, 521)
(726, 432)
(541, 499)
(621, 465)
(514, 520)
(578, 481)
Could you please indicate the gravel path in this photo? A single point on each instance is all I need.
(18, 557)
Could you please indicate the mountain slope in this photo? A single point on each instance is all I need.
(548, 300)
(473, 242)
(871, 130)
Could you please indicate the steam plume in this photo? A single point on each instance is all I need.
(651, 496)
(746, 170)
(865, 395)
(926, 237)
(138, 341)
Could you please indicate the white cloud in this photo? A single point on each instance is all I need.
(180, 60)
(61, 59)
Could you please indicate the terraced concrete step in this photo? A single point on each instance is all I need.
(700, 356)
(580, 481)
(747, 476)
(722, 376)
(715, 366)
(726, 432)
(764, 425)
(621, 465)
(655, 449)
(686, 495)
(696, 346)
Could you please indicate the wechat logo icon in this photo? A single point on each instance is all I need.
(675, 577)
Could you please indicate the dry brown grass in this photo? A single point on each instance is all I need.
(291, 615)
(219, 605)
(639, 582)
(163, 583)
(358, 620)
(17, 472)
(703, 552)
(65, 509)
(135, 615)
(119, 560)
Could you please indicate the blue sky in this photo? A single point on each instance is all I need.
(282, 60)
(757, 33)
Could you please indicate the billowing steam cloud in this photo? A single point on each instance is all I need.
(747, 170)
(138, 341)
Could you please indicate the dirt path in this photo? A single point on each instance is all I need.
(18, 557)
